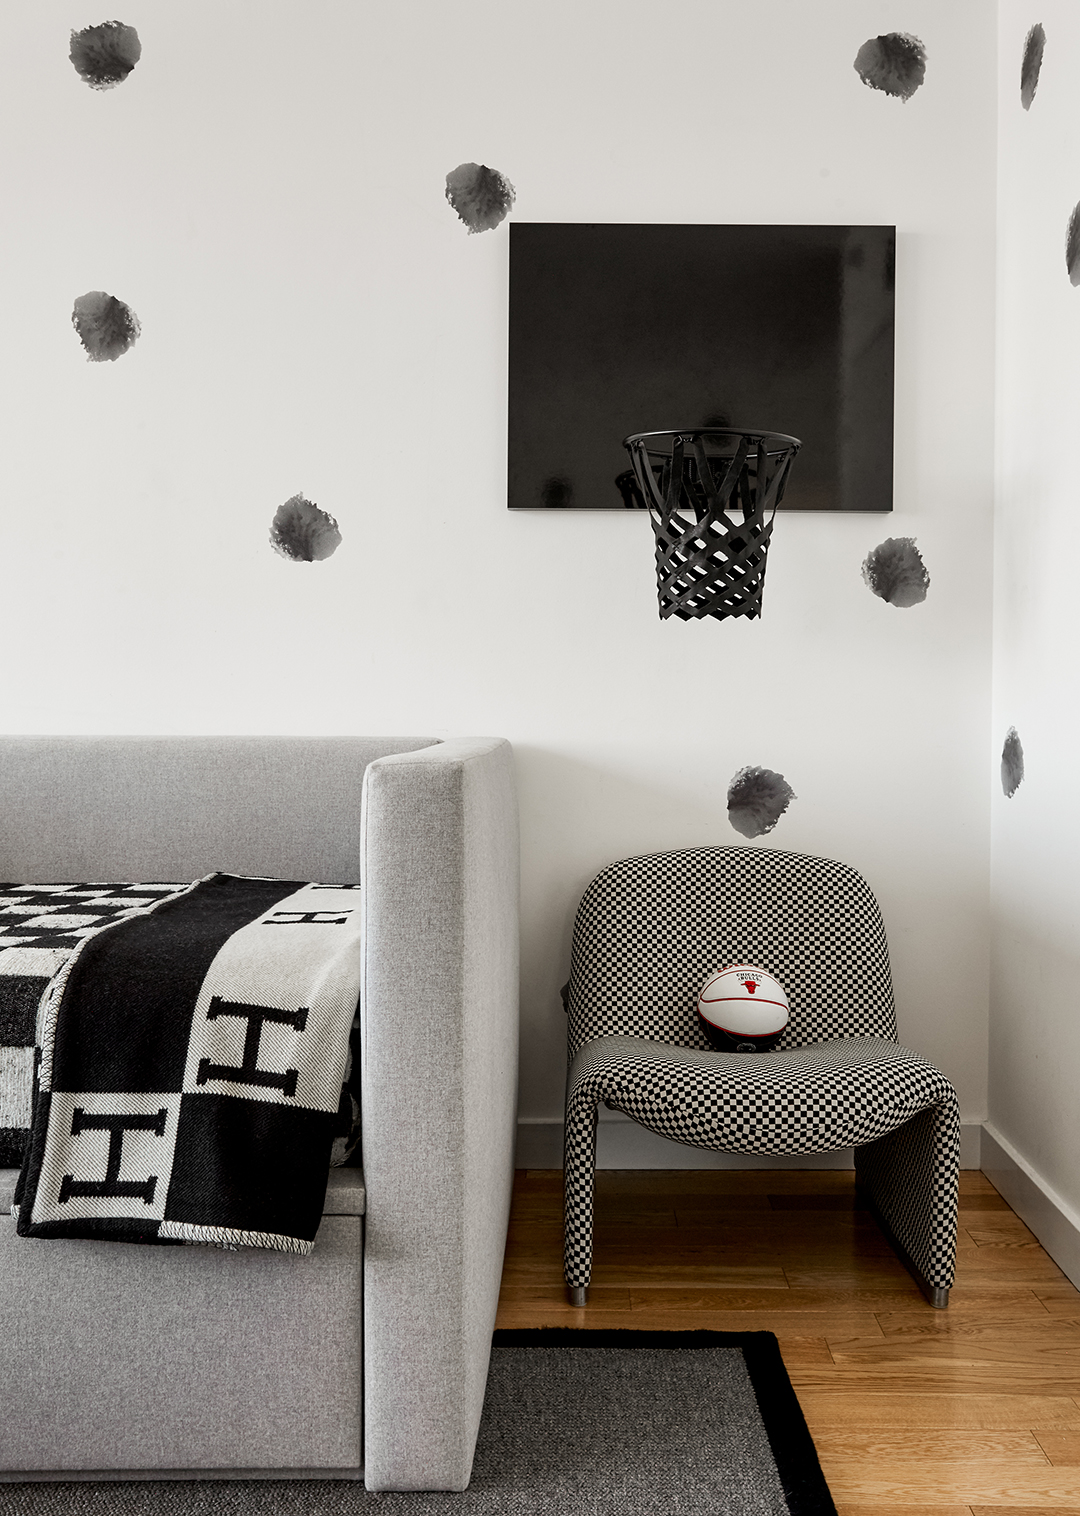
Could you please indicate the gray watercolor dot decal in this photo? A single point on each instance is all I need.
(1012, 763)
(104, 55)
(756, 799)
(302, 532)
(1072, 246)
(894, 63)
(480, 195)
(1032, 63)
(106, 326)
(894, 570)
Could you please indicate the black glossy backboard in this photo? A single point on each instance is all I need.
(616, 329)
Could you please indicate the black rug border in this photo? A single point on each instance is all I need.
(793, 1450)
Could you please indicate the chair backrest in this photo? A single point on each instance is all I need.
(650, 930)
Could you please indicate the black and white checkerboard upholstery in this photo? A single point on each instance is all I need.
(648, 933)
(41, 925)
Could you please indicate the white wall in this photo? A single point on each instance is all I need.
(1035, 1025)
(266, 191)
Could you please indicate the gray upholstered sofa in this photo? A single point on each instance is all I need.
(118, 1360)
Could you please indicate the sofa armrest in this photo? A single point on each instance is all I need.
(439, 1020)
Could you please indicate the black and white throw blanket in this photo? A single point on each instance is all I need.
(41, 926)
(192, 1062)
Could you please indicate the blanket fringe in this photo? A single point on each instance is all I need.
(232, 1239)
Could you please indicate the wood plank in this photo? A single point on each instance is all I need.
(827, 1409)
(547, 1263)
(691, 1241)
(827, 1200)
(802, 1352)
(700, 1209)
(635, 1217)
(938, 1483)
(945, 1355)
(945, 1379)
(1040, 1343)
(615, 1242)
(1006, 1306)
(600, 1299)
(1038, 1268)
(535, 1313)
(1062, 1448)
(967, 1247)
(905, 1510)
(1002, 1226)
(534, 1274)
(625, 1243)
(820, 1226)
(974, 1342)
(1061, 1299)
(644, 1271)
(695, 1297)
(972, 1443)
(974, 1293)
(848, 1273)
(989, 1254)
(563, 1314)
(733, 1205)
(784, 1323)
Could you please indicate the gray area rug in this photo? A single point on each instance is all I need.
(576, 1422)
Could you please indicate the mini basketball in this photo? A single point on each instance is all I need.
(742, 1009)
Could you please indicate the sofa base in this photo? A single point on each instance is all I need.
(148, 1476)
(127, 1360)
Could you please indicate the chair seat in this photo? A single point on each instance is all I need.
(814, 1099)
(898, 1111)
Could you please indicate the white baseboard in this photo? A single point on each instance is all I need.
(622, 1144)
(1037, 1203)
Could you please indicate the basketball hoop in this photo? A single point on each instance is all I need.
(707, 563)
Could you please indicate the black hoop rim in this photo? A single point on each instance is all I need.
(758, 434)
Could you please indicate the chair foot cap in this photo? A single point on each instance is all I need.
(938, 1297)
(579, 1294)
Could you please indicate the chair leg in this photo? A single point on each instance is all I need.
(936, 1294)
(911, 1178)
(579, 1169)
(579, 1294)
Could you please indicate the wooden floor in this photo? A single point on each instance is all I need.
(965, 1412)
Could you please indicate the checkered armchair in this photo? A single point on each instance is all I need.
(648, 933)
